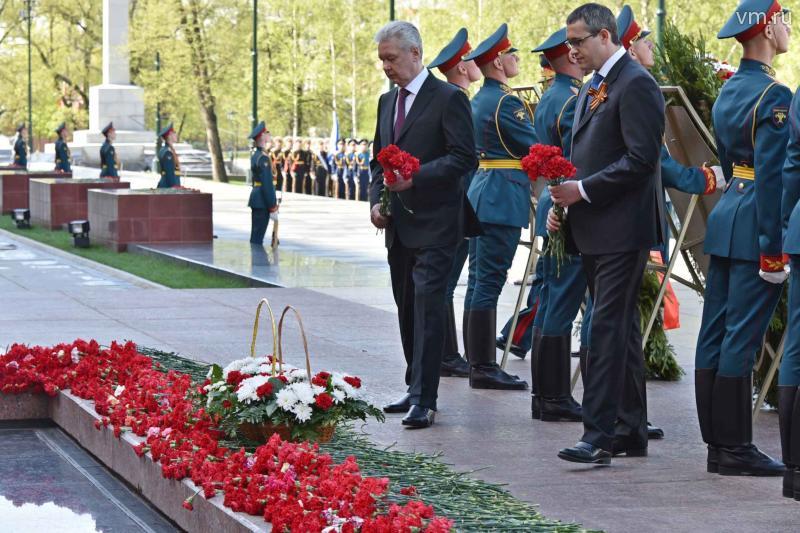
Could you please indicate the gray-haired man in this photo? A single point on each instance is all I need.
(432, 121)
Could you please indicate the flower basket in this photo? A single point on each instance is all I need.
(257, 398)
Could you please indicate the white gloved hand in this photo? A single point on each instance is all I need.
(774, 277)
(717, 170)
(273, 216)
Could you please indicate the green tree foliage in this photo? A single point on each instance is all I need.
(315, 56)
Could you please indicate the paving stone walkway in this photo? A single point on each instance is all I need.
(354, 329)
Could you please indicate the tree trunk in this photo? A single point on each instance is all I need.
(333, 75)
(295, 99)
(191, 23)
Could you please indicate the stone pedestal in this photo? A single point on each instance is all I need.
(122, 216)
(116, 100)
(54, 202)
(14, 187)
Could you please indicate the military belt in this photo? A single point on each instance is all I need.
(256, 184)
(743, 172)
(486, 164)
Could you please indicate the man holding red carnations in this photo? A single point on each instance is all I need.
(425, 126)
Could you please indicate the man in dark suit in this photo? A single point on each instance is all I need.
(432, 121)
(613, 221)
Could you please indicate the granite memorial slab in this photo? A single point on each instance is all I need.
(14, 187)
(54, 202)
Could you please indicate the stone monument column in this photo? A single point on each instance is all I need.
(116, 100)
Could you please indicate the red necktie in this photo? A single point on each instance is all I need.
(401, 112)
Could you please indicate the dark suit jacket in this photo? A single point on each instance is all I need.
(438, 131)
(616, 150)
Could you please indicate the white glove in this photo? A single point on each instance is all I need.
(717, 170)
(273, 216)
(774, 277)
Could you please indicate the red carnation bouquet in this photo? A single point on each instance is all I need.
(547, 162)
(396, 164)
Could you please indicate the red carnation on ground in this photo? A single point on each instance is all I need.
(324, 401)
(353, 381)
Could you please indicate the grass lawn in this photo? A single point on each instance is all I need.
(154, 269)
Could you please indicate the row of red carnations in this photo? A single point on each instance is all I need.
(292, 485)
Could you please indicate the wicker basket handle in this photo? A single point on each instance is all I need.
(275, 353)
(302, 333)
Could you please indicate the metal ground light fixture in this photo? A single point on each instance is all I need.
(21, 218)
(79, 229)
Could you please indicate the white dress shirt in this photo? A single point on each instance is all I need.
(413, 88)
(604, 70)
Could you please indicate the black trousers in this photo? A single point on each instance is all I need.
(614, 401)
(259, 220)
(419, 284)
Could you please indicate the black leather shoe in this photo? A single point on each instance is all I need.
(516, 350)
(400, 406)
(454, 366)
(491, 376)
(748, 460)
(583, 452)
(654, 432)
(419, 417)
(560, 409)
(712, 462)
(628, 447)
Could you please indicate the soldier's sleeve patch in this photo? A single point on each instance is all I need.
(779, 115)
(520, 114)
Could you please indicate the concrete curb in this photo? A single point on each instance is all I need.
(143, 249)
(76, 417)
(82, 261)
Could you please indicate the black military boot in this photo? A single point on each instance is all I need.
(553, 372)
(732, 422)
(484, 371)
(703, 393)
(536, 411)
(464, 331)
(452, 362)
(786, 398)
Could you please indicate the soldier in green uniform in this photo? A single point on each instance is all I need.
(351, 169)
(288, 177)
(460, 73)
(362, 165)
(319, 165)
(108, 156)
(340, 168)
(63, 155)
(263, 203)
(500, 195)
(168, 159)
(744, 239)
(21, 147)
(307, 186)
(276, 157)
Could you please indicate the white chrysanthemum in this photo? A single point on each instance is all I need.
(317, 389)
(295, 375)
(338, 395)
(247, 391)
(302, 412)
(303, 391)
(234, 365)
(76, 355)
(338, 382)
(286, 398)
(119, 390)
